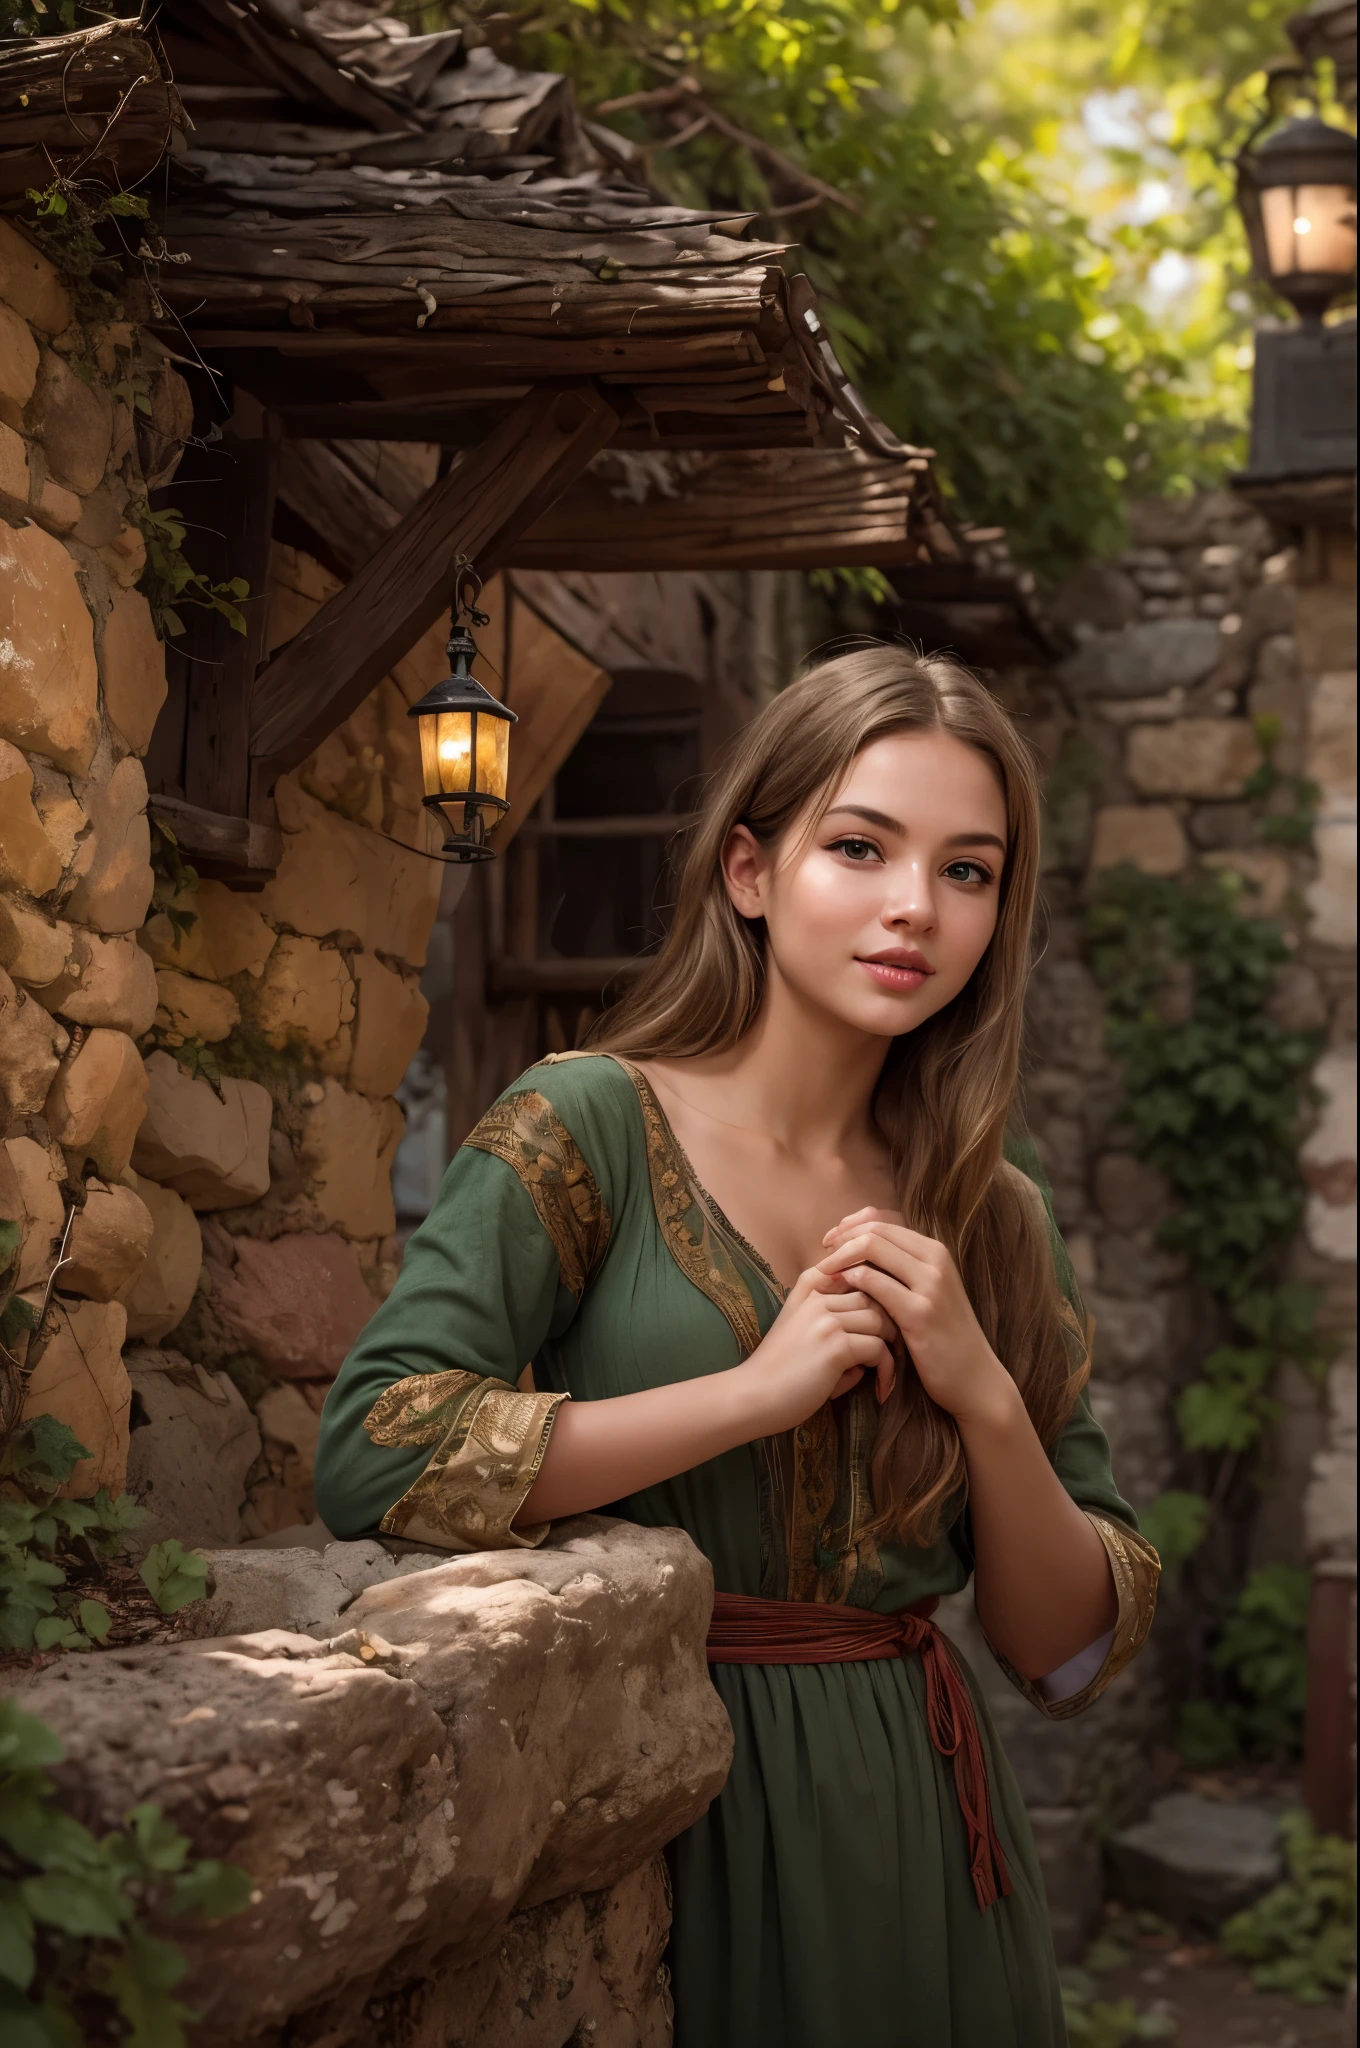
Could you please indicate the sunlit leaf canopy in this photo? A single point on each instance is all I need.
(1040, 272)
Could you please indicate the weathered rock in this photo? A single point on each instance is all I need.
(298, 1302)
(227, 935)
(80, 1378)
(1143, 661)
(31, 1048)
(389, 1025)
(346, 1152)
(106, 981)
(305, 993)
(338, 876)
(28, 859)
(1131, 1336)
(527, 1725)
(18, 367)
(1129, 1194)
(41, 1210)
(1329, 1506)
(14, 472)
(192, 1442)
(75, 422)
(158, 1297)
(583, 1969)
(30, 284)
(1098, 594)
(1331, 734)
(132, 669)
(49, 684)
(125, 556)
(1150, 836)
(108, 1244)
(33, 948)
(113, 865)
(98, 1100)
(1203, 757)
(288, 1418)
(1331, 898)
(1070, 1862)
(58, 509)
(210, 1147)
(63, 815)
(1328, 1157)
(194, 1009)
(1195, 1861)
(1265, 874)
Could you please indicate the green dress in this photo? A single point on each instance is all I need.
(824, 1898)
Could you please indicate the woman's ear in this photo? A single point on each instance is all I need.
(744, 869)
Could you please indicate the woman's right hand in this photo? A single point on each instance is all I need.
(823, 1341)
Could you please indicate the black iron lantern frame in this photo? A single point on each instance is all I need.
(1296, 192)
(464, 740)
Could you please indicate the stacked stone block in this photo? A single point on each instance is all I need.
(195, 1091)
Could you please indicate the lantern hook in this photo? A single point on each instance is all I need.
(467, 588)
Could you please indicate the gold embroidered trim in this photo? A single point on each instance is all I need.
(490, 1442)
(526, 1132)
(676, 1197)
(1136, 1568)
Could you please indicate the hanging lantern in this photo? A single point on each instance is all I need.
(464, 741)
(1297, 196)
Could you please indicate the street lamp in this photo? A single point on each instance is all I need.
(1296, 191)
(464, 740)
(1297, 196)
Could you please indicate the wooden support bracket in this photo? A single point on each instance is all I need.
(498, 489)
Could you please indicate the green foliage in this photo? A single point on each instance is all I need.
(1215, 1092)
(1096, 2022)
(78, 1960)
(1174, 1525)
(67, 220)
(173, 1575)
(1295, 798)
(1300, 1938)
(170, 579)
(175, 879)
(45, 1540)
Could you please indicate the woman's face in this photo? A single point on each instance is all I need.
(883, 914)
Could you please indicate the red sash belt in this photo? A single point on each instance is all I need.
(749, 1631)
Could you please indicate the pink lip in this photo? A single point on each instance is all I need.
(899, 969)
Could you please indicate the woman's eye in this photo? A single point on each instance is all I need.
(856, 849)
(968, 871)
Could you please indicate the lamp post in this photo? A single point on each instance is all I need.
(1296, 192)
(464, 740)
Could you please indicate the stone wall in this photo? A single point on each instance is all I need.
(1208, 621)
(449, 1781)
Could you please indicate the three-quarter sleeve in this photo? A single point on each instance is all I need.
(425, 1433)
(1081, 1459)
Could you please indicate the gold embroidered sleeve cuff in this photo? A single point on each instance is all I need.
(1135, 1568)
(489, 1443)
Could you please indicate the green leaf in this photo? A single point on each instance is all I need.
(16, 1316)
(11, 1237)
(45, 1449)
(1174, 1525)
(58, 1632)
(26, 1743)
(159, 1844)
(76, 1905)
(173, 1575)
(17, 1960)
(94, 1619)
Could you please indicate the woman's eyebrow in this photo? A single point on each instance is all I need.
(887, 824)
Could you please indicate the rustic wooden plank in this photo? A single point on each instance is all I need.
(232, 540)
(435, 350)
(498, 488)
(219, 845)
(659, 826)
(554, 689)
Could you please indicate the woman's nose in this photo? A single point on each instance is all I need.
(912, 901)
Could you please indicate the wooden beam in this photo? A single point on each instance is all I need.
(477, 510)
(231, 539)
(228, 849)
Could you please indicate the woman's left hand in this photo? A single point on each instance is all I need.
(916, 1281)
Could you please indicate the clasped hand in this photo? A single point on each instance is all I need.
(881, 1289)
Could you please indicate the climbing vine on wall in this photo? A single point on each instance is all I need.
(1216, 1093)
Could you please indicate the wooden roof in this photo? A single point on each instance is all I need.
(393, 236)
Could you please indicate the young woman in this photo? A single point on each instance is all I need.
(780, 1286)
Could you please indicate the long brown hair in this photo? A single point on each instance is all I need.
(947, 1089)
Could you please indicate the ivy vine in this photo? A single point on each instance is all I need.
(1216, 1094)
